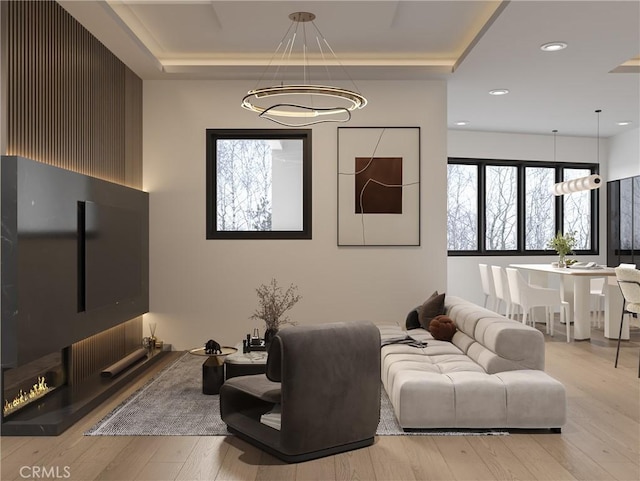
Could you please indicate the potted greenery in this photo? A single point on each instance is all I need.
(273, 302)
(563, 245)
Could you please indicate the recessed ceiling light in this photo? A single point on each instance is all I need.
(461, 122)
(553, 46)
(499, 91)
(624, 122)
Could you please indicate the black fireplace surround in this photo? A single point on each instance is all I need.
(74, 259)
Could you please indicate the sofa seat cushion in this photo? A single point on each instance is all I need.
(258, 386)
(536, 400)
(439, 357)
(515, 399)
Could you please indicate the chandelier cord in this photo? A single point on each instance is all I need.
(336, 58)
(264, 71)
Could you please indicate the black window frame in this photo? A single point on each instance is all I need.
(521, 165)
(212, 135)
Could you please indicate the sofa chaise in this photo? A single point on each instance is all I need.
(491, 374)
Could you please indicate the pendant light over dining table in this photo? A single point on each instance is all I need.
(303, 102)
(589, 182)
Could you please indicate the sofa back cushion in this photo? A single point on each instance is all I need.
(503, 344)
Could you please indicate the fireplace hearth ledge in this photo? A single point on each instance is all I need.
(65, 406)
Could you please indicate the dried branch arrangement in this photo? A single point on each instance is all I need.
(273, 302)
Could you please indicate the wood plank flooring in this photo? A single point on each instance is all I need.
(601, 440)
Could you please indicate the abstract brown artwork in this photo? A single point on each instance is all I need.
(378, 185)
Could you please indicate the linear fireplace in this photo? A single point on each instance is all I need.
(48, 395)
(27, 384)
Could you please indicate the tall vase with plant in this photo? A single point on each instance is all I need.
(563, 244)
(273, 302)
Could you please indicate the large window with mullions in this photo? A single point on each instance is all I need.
(499, 207)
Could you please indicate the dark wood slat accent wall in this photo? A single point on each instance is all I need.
(67, 101)
(70, 102)
(94, 353)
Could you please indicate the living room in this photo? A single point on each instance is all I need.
(202, 289)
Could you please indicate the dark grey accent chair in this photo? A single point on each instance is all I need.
(326, 379)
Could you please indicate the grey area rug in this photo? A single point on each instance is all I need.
(172, 404)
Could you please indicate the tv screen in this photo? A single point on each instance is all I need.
(75, 257)
(112, 254)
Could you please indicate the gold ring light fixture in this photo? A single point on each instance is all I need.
(303, 103)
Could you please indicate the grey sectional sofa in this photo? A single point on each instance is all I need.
(490, 376)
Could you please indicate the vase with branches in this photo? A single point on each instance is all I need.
(273, 302)
(563, 244)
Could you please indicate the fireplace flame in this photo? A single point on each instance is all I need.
(38, 390)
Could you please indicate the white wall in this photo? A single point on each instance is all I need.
(201, 289)
(463, 274)
(624, 155)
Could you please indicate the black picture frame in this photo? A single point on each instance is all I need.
(212, 136)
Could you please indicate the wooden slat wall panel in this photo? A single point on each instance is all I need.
(97, 352)
(69, 102)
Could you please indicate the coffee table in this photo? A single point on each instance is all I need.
(245, 364)
(213, 368)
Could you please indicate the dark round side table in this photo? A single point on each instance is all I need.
(213, 368)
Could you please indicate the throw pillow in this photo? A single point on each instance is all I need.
(442, 328)
(413, 321)
(432, 307)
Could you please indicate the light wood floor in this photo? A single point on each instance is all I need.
(599, 442)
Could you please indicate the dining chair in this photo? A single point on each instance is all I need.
(597, 287)
(629, 282)
(501, 285)
(528, 296)
(488, 287)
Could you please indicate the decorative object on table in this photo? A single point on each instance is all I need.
(253, 342)
(563, 244)
(213, 366)
(273, 302)
(152, 338)
(378, 186)
(302, 103)
(212, 347)
(255, 338)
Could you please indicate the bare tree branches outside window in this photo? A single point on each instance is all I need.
(462, 206)
(486, 194)
(244, 184)
(501, 208)
(540, 219)
(577, 210)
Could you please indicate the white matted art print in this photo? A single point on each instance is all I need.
(378, 186)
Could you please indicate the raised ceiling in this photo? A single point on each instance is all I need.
(474, 45)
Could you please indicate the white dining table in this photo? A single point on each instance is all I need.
(575, 288)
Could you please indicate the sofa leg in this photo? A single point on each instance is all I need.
(556, 430)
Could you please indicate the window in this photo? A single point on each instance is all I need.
(462, 206)
(577, 211)
(259, 184)
(501, 208)
(498, 207)
(540, 216)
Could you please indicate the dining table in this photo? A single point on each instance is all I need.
(575, 289)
